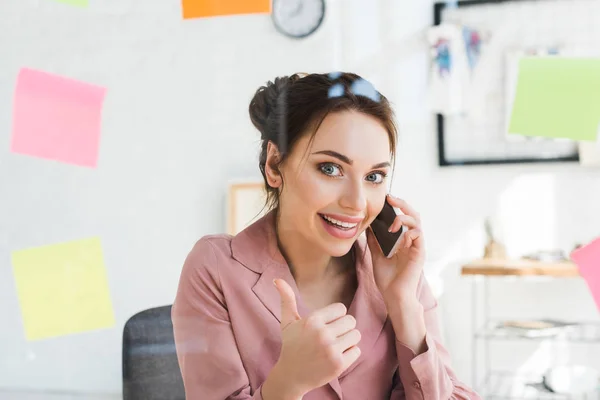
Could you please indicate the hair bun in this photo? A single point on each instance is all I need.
(265, 102)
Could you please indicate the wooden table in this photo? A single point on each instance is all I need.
(520, 267)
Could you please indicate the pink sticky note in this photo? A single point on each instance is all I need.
(587, 259)
(57, 118)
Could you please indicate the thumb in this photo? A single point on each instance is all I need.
(289, 309)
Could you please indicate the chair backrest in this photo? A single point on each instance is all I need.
(150, 367)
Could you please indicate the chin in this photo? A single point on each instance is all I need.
(339, 250)
(337, 247)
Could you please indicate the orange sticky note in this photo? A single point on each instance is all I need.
(57, 118)
(216, 8)
(587, 259)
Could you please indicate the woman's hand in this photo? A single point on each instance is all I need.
(398, 277)
(317, 349)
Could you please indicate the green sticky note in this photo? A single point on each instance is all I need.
(78, 3)
(62, 289)
(557, 97)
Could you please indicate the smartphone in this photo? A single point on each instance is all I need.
(388, 241)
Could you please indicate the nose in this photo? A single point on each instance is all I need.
(354, 197)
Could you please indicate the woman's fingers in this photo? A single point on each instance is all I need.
(404, 207)
(347, 340)
(350, 356)
(408, 221)
(343, 325)
(328, 314)
(412, 236)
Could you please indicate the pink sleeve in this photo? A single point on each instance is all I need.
(428, 375)
(206, 348)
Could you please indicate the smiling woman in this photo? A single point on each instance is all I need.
(343, 321)
(323, 156)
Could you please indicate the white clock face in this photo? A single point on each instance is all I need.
(298, 18)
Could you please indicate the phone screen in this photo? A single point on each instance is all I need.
(380, 226)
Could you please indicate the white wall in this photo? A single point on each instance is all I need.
(174, 131)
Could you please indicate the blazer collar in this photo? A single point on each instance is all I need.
(256, 248)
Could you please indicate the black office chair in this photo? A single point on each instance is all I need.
(150, 368)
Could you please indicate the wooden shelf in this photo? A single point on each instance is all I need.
(520, 267)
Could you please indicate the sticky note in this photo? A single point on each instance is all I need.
(215, 8)
(78, 3)
(587, 259)
(57, 118)
(557, 97)
(62, 289)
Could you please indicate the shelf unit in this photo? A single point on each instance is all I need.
(507, 385)
(496, 384)
(582, 332)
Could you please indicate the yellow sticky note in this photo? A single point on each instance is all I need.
(63, 288)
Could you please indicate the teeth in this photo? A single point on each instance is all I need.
(340, 223)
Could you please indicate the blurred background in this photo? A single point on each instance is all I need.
(163, 88)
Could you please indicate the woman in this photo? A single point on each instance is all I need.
(299, 305)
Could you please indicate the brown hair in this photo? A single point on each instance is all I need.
(291, 106)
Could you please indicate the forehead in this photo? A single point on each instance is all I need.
(354, 134)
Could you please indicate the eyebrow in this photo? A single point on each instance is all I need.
(348, 161)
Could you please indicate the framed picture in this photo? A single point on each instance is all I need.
(475, 47)
(246, 201)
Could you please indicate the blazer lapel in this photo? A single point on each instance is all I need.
(268, 294)
(368, 306)
(256, 248)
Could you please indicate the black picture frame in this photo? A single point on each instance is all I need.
(438, 8)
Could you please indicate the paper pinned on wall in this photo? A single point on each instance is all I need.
(216, 8)
(78, 3)
(63, 289)
(557, 97)
(587, 259)
(57, 118)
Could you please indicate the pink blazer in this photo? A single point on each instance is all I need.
(227, 328)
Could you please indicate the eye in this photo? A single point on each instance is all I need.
(376, 177)
(330, 169)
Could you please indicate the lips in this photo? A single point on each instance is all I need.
(340, 232)
(344, 218)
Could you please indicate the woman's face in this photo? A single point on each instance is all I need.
(336, 187)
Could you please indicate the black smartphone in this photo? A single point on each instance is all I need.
(388, 241)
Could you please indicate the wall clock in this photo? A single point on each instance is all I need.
(298, 18)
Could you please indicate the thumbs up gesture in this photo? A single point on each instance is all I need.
(320, 347)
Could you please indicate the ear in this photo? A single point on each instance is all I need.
(272, 172)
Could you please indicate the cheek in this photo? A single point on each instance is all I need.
(375, 204)
(314, 189)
